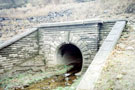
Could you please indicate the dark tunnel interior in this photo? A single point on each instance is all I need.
(70, 54)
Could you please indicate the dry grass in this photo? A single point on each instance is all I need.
(80, 10)
(37, 10)
(100, 9)
(119, 71)
(115, 5)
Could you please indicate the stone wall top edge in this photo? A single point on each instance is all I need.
(69, 23)
(94, 70)
(17, 37)
(78, 22)
(114, 20)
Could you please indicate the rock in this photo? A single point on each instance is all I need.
(124, 73)
(1, 67)
(132, 41)
(36, 69)
(45, 88)
(129, 48)
(84, 0)
(52, 80)
(32, 19)
(1, 71)
(67, 74)
(131, 8)
(67, 84)
(105, 11)
(61, 78)
(1, 19)
(118, 77)
(122, 46)
(1, 41)
(78, 74)
(66, 78)
(50, 16)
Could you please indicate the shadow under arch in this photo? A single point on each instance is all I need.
(70, 54)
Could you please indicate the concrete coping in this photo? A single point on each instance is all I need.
(93, 72)
(17, 37)
(71, 23)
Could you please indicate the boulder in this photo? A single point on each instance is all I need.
(84, 0)
(11, 3)
(131, 8)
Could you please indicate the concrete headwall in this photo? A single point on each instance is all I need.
(18, 52)
(84, 36)
(38, 47)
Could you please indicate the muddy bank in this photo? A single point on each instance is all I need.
(52, 78)
(51, 83)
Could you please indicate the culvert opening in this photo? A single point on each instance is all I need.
(69, 54)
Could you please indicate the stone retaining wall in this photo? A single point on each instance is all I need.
(85, 37)
(94, 70)
(18, 52)
(43, 42)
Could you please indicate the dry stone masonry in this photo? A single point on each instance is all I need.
(52, 44)
(93, 72)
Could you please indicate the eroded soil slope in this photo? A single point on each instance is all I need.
(119, 71)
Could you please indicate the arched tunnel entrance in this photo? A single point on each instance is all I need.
(69, 54)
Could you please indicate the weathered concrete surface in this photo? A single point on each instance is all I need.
(92, 74)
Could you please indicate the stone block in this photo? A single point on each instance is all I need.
(1, 71)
